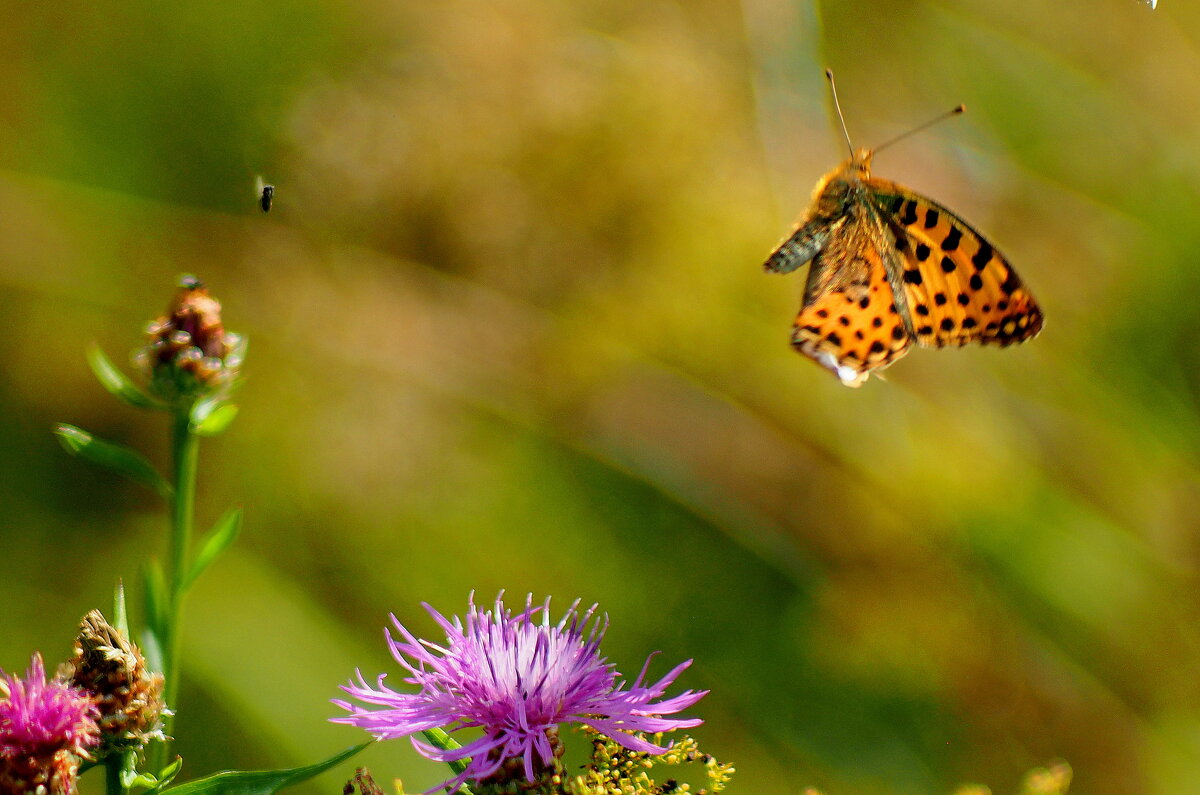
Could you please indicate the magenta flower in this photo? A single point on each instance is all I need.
(39, 717)
(45, 729)
(516, 679)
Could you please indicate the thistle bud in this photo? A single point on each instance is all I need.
(129, 697)
(188, 352)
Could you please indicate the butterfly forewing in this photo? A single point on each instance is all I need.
(959, 287)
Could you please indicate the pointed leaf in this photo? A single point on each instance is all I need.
(216, 420)
(156, 613)
(223, 533)
(120, 618)
(150, 781)
(117, 383)
(152, 649)
(118, 458)
(259, 782)
(440, 739)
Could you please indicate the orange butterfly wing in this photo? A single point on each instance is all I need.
(958, 287)
(852, 327)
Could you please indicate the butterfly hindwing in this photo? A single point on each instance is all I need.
(850, 326)
(958, 287)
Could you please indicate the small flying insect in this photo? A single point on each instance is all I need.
(265, 194)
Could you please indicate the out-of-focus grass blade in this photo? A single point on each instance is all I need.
(217, 540)
(118, 458)
(117, 383)
(259, 782)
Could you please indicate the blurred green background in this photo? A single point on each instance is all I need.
(509, 330)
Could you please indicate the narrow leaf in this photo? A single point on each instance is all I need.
(152, 649)
(259, 782)
(120, 617)
(223, 533)
(115, 457)
(156, 613)
(217, 420)
(117, 383)
(439, 739)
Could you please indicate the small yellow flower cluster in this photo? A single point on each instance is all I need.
(615, 770)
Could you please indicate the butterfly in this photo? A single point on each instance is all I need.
(891, 267)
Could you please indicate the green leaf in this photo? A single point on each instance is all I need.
(216, 421)
(118, 458)
(439, 739)
(156, 614)
(119, 384)
(223, 533)
(149, 780)
(120, 617)
(259, 782)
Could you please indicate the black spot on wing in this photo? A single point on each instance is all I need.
(952, 240)
(983, 256)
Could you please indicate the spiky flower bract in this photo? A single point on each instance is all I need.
(45, 729)
(128, 695)
(517, 677)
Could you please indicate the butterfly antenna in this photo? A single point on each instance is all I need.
(837, 106)
(925, 126)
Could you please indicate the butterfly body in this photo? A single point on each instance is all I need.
(889, 268)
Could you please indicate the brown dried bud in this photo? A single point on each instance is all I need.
(188, 351)
(129, 696)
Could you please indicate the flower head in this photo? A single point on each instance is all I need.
(45, 729)
(127, 694)
(517, 677)
(188, 352)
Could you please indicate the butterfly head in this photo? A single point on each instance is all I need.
(846, 177)
(859, 166)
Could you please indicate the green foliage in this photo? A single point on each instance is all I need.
(215, 421)
(114, 457)
(216, 541)
(118, 384)
(259, 782)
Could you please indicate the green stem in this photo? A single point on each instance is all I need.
(112, 775)
(184, 455)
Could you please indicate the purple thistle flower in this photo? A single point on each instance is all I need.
(39, 718)
(515, 679)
